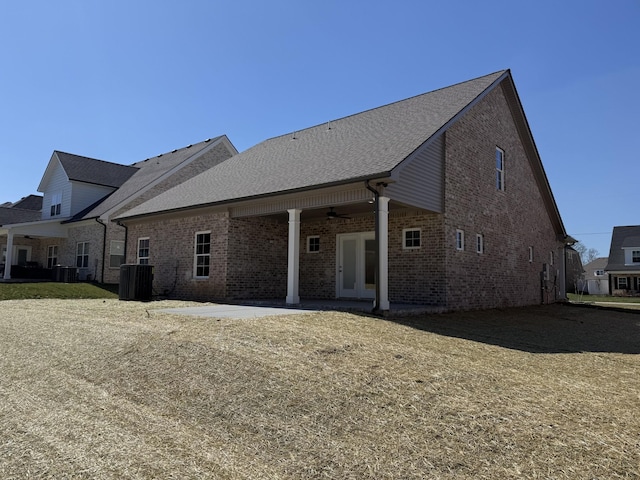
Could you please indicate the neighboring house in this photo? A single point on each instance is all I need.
(623, 267)
(574, 270)
(440, 199)
(595, 281)
(81, 195)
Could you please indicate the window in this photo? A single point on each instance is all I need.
(411, 238)
(82, 255)
(599, 273)
(459, 240)
(56, 204)
(479, 243)
(499, 169)
(116, 253)
(143, 251)
(635, 256)
(313, 244)
(622, 283)
(530, 254)
(52, 256)
(203, 254)
(551, 258)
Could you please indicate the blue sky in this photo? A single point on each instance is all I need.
(126, 80)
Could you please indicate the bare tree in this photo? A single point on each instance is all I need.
(587, 255)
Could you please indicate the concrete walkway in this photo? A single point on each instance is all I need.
(260, 308)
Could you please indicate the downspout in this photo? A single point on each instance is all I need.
(376, 202)
(104, 246)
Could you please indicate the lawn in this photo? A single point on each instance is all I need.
(13, 291)
(107, 389)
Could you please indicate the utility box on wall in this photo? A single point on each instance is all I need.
(136, 282)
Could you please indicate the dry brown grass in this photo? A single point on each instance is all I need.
(108, 389)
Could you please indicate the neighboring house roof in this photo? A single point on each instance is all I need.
(591, 267)
(146, 172)
(11, 215)
(623, 237)
(93, 171)
(30, 202)
(365, 146)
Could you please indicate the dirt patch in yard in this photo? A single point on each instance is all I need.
(108, 389)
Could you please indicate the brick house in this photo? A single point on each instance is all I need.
(81, 195)
(623, 265)
(440, 199)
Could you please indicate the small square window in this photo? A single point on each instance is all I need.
(459, 239)
(313, 244)
(479, 243)
(411, 238)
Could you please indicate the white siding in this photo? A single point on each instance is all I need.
(83, 195)
(420, 179)
(58, 183)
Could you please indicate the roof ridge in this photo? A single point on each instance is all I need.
(372, 109)
(91, 158)
(208, 140)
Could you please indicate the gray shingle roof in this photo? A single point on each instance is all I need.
(97, 172)
(628, 236)
(598, 264)
(365, 145)
(30, 202)
(146, 172)
(11, 215)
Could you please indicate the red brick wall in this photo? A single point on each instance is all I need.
(171, 251)
(510, 220)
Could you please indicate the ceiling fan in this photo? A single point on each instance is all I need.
(331, 214)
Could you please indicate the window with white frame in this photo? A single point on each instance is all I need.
(56, 204)
(82, 255)
(143, 251)
(411, 238)
(530, 254)
(499, 169)
(52, 256)
(313, 244)
(116, 253)
(202, 258)
(459, 239)
(479, 243)
(622, 283)
(599, 273)
(635, 256)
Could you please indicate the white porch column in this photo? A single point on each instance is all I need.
(293, 273)
(9, 261)
(383, 254)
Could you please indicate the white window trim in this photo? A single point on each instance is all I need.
(56, 205)
(479, 243)
(460, 240)
(196, 255)
(50, 257)
(138, 251)
(404, 238)
(626, 284)
(500, 171)
(309, 244)
(111, 254)
(85, 253)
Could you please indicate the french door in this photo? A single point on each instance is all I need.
(355, 269)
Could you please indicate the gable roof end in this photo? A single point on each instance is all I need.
(366, 145)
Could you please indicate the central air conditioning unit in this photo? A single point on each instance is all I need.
(136, 282)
